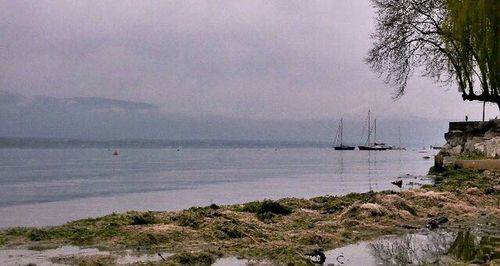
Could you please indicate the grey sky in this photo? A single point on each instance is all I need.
(239, 59)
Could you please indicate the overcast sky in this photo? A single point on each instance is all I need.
(239, 59)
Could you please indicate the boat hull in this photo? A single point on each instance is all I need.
(344, 148)
(370, 148)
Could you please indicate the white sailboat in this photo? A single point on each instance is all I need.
(373, 145)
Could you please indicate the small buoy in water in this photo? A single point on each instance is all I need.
(115, 153)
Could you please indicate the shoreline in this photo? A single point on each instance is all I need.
(60, 212)
(281, 231)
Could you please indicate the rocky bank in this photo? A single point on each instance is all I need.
(470, 140)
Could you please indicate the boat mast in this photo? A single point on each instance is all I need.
(341, 131)
(375, 132)
(369, 129)
(335, 141)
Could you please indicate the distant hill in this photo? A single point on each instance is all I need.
(107, 103)
(110, 119)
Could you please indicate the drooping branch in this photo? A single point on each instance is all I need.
(453, 41)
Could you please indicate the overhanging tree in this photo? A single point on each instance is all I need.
(450, 40)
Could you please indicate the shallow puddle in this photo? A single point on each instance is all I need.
(355, 254)
(410, 249)
(233, 261)
(16, 257)
(42, 258)
(130, 258)
(478, 244)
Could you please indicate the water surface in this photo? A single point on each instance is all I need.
(52, 186)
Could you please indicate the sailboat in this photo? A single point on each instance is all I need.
(340, 134)
(373, 146)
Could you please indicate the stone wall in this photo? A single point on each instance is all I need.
(470, 138)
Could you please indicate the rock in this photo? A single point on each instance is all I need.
(456, 150)
(436, 222)
(490, 134)
(470, 137)
(454, 137)
(473, 191)
(317, 256)
(470, 144)
(398, 183)
(481, 147)
(373, 209)
(449, 160)
(492, 147)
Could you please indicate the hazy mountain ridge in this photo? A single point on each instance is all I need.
(104, 102)
(21, 101)
(101, 118)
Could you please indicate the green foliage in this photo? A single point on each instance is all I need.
(13, 233)
(208, 209)
(86, 231)
(450, 40)
(302, 223)
(77, 235)
(403, 206)
(96, 260)
(476, 155)
(214, 206)
(228, 230)
(188, 219)
(346, 233)
(39, 235)
(252, 207)
(17, 231)
(144, 218)
(194, 216)
(193, 258)
(267, 209)
(273, 207)
(333, 204)
(471, 30)
(461, 179)
(464, 246)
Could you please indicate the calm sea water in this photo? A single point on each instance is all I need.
(52, 186)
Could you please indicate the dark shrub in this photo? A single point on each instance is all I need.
(39, 235)
(266, 209)
(144, 218)
(193, 258)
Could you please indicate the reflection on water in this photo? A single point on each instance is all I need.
(476, 244)
(467, 246)
(62, 255)
(411, 249)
